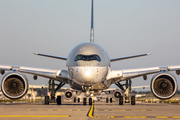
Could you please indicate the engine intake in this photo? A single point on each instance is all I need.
(163, 85)
(68, 94)
(117, 94)
(14, 85)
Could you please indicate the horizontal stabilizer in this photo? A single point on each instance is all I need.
(62, 58)
(128, 57)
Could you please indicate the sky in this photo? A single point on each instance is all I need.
(121, 27)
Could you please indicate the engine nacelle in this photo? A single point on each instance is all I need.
(117, 94)
(14, 85)
(68, 94)
(164, 85)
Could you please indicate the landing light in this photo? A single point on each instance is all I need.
(88, 73)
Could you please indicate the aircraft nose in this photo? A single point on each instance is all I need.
(89, 75)
(88, 71)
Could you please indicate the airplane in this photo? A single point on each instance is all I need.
(89, 71)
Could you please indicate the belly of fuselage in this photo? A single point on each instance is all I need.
(88, 75)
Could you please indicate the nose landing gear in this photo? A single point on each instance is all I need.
(85, 100)
(90, 101)
(87, 89)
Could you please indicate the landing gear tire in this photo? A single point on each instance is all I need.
(110, 100)
(90, 101)
(46, 100)
(106, 100)
(133, 101)
(84, 101)
(120, 100)
(74, 99)
(58, 100)
(78, 100)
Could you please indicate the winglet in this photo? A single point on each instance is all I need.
(149, 53)
(35, 53)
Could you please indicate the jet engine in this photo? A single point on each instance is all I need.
(68, 94)
(164, 85)
(14, 85)
(116, 94)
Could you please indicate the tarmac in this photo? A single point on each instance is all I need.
(97, 111)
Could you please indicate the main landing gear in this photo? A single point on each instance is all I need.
(109, 97)
(78, 100)
(53, 90)
(128, 98)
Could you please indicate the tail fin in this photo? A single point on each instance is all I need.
(92, 27)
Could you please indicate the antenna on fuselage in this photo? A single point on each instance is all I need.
(92, 27)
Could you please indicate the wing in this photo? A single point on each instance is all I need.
(120, 75)
(110, 89)
(59, 75)
(128, 57)
(134, 87)
(50, 56)
(145, 86)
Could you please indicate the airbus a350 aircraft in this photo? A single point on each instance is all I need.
(89, 71)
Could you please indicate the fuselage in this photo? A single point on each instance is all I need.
(88, 64)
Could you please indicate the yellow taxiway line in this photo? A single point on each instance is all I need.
(90, 114)
(34, 115)
(160, 117)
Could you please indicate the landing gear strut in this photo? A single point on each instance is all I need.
(128, 98)
(53, 90)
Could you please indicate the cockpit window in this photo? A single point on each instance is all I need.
(87, 58)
